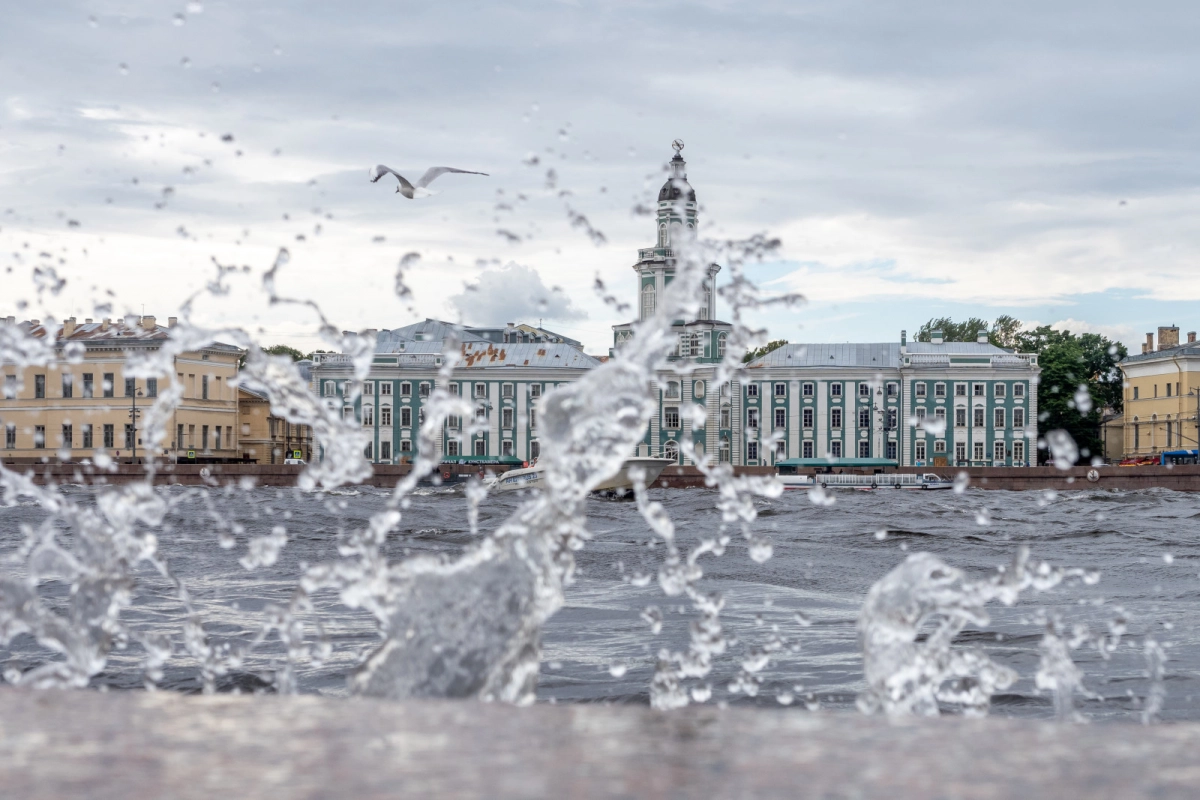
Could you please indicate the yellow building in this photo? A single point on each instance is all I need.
(1162, 395)
(66, 411)
(265, 438)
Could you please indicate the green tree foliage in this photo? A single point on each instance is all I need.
(284, 350)
(1002, 333)
(762, 351)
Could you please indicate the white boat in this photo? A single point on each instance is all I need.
(877, 481)
(532, 477)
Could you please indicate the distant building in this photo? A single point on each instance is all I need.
(1162, 395)
(72, 411)
(269, 439)
(934, 403)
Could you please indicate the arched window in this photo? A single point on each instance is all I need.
(647, 300)
(721, 345)
(672, 390)
(704, 309)
(662, 235)
(671, 450)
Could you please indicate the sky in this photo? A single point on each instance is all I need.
(915, 160)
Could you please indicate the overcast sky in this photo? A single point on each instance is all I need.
(915, 159)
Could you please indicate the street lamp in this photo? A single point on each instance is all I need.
(133, 416)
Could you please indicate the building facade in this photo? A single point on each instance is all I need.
(73, 411)
(1162, 395)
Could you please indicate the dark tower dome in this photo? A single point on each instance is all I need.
(672, 189)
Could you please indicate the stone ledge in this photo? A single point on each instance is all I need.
(137, 745)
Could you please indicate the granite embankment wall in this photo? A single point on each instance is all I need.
(1184, 478)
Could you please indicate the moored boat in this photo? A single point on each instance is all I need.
(927, 480)
(532, 477)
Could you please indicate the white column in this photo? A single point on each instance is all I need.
(494, 419)
(821, 423)
(795, 403)
(521, 423)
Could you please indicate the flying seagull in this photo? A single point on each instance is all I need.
(407, 189)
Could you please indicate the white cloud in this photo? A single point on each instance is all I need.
(513, 293)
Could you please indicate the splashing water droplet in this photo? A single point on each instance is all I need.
(701, 694)
(961, 481)
(761, 550)
(881, 534)
(1083, 399)
(1062, 448)
(1168, 558)
(195, 7)
(617, 670)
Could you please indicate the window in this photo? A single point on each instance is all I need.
(369, 389)
(919, 451)
(423, 390)
(10, 386)
(329, 388)
(752, 418)
(385, 415)
(39, 386)
(385, 451)
(978, 454)
(780, 418)
(1170, 426)
(1168, 395)
(506, 390)
(807, 418)
(684, 348)
(506, 418)
(109, 436)
(977, 418)
(406, 446)
(368, 415)
(179, 435)
(480, 413)
(835, 418)
(960, 451)
(203, 387)
(532, 418)
(506, 447)
(726, 422)
(751, 390)
(151, 387)
(978, 389)
(835, 390)
(893, 389)
(891, 419)
(920, 413)
(203, 437)
(939, 446)
(86, 444)
(672, 390)
(1019, 390)
(960, 390)
(807, 449)
(835, 448)
(406, 417)
(721, 346)
(752, 451)
(998, 418)
(367, 452)
(939, 390)
(939, 416)
(88, 386)
(1000, 389)
(385, 389)
(723, 451)
(453, 389)
(919, 389)
(1018, 418)
(39, 436)
(890, 451)
(451, 447)
(864, 390)
(480, 447)
(807, 389)
(780, 451)
(998, 453)
(109, 385)
(129, 436)
(698, 389)
(68, 438)
(131, 387)
(535, 450)
(960, 417)
(647, 300)
(68, 387)
(535, 390)
(191, 436)
(781, 390)
(217, 438)
(864, 418)
(1019, 453)
(864, 449)
(405, 389)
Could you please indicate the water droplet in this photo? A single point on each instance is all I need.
(1168, 558)
(185, 62)
(93, 22)
(195, 7)
(1083, 399)
(178, 20)
(123, 68)
(961, 481)
(881, 534)
(617, 670)
(1062, 448)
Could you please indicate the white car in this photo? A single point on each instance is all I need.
(299, 461)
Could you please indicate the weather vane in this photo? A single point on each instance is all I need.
(678, 145)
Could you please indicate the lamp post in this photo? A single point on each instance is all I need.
(133, 416)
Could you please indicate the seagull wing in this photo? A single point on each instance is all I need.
(434, 172)
(379, 170)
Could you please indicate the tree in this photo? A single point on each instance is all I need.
(284, 350)
(762, 351)
(1002, 333)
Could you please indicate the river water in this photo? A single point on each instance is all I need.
(804, 600)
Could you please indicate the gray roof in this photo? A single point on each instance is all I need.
(425, 330)
(478, 355)
(110, 332)
(881, 354)
(1169, 352)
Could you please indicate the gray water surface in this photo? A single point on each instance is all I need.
(1145, 544)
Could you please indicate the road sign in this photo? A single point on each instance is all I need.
(191, 453)
(296, 454)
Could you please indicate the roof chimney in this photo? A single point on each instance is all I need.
(1191, 337)
(68, 327)
(1149, 343)
(981, 337)
(104, 323)
(171, 321)
(1168, 336)
(903, 341)
(150, 324)
(936, 337)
